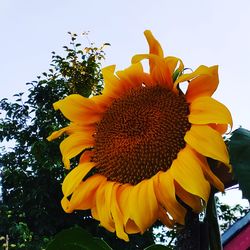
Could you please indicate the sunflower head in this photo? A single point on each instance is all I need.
(144, 144)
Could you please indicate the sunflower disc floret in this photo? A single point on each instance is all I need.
(140, 134)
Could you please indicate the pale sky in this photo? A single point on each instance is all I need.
(198, 31)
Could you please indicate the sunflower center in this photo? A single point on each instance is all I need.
(140, 134)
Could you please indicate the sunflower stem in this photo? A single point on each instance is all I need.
(213, 226)
(189, 236)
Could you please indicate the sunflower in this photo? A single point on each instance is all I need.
(144, 144)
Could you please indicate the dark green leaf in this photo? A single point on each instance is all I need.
(157, 247)
(76, 239)
(102, 244)
(239, 150)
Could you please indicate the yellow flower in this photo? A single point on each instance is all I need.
(143, 143)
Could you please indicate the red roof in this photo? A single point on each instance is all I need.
(237, 237)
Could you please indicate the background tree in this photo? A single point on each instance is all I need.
(228, 215)
(32, 172)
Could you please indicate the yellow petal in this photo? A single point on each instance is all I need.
(86, 156)
(78, 109)
(191, 200)
(143, 205)
(103, 205)
(172, 63)
(161, 75)
(203, 85)
(102, 101)
(57, 134)
(72, 128)
(94, 213)
(133, 206)
(210, 176)
(74, 178)
(109, 69)
(75, 128)
(139, 57)
(164, 218)
(154, 45)
(66, 205)
(122, 199)
(154, 48)
(117, 215)
(221, 128)
(122, 196)
(208, 142)
(132, 76)
(131, 227)
(205, 110)
(112, 84)
(160, 72)
(165, 192)
(201, 70)
(83, 197)
(185, 165)
(74, 145)
(110, 80)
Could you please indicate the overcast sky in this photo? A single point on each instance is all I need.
(200, 32)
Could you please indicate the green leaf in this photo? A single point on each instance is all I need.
(239, 150)
(76, 239)
(102, 244)
(157, 247)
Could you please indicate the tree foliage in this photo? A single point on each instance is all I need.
(31, 171)
(228, 215)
